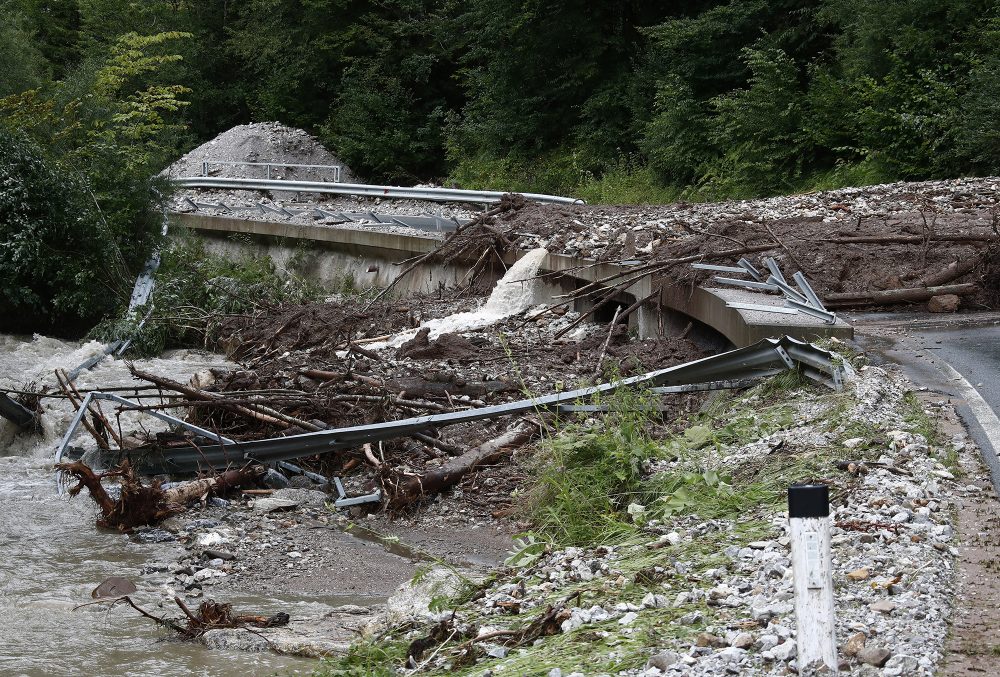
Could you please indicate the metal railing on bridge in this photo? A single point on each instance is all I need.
(366, 190)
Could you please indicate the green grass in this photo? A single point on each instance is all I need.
(918, 421)
(627, 180)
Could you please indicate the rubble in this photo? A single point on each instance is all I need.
(895, 615)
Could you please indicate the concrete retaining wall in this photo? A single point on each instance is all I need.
(329, 255)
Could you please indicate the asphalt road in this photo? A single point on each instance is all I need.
(958, 356)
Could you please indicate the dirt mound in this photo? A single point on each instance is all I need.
(451, 346)
(262, 142)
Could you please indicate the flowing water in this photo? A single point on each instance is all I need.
(513, 294)
(52, 556)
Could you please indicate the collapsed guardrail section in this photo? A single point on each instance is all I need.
(735, 368)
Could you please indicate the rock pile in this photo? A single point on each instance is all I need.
(262, 142)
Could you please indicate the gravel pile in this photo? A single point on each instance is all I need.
(262, 142)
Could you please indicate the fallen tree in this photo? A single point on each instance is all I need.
(908, 295)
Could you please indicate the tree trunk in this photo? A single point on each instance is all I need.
(402, 490)
(890, 296)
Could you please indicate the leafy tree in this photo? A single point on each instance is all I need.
(55, 27)
(110, 128)
(399, 86)
(758, 129)
(50, 273)
(22, 65)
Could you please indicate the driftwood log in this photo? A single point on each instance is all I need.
(404, 489)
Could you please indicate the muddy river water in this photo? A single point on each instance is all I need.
(52, 556)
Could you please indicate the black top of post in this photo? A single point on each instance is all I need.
(808, 500)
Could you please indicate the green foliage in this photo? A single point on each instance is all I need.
(369, 658)
(757, 129)
(528, 549)
(588, 476)
(48, 252)
(110, 125)
(22, 65)
(676, 139)
(194, 288)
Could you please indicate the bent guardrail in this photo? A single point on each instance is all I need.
(765, 358)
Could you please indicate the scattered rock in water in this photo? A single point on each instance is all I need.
(154, 535)
(235, 640)
(115, 586)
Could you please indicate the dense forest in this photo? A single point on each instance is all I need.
(617, 101)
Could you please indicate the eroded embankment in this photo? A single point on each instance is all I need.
(693, 575)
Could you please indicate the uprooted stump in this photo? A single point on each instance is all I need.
(141, 504)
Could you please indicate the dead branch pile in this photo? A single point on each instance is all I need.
(480, 242)
(211, 615)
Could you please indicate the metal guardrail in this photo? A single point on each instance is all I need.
(806, 301)
(205, 164)
(14, 412)
(765, 358)
(394, 192)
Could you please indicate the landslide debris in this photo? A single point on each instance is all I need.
(262, 142)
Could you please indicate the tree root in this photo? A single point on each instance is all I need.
(140, 504)
(211, 615)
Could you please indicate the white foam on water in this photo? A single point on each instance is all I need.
(514, 293)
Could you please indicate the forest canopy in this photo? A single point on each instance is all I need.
(617, 101)
(737, 98)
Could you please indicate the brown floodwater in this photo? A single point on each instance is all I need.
(52, 555)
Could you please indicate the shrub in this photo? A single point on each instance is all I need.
(53, 273)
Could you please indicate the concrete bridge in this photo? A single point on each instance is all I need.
(329, 255)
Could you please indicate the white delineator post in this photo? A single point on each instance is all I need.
(809, 522)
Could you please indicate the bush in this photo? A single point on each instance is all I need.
(53, 258)
(195, 289)
(589, 475)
